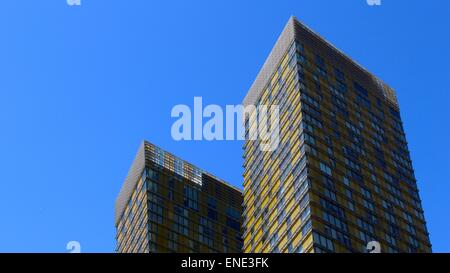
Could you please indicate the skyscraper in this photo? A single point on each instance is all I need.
(341, 175)
(168, 205)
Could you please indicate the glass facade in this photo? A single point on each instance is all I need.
(341, 175)
(176, 207)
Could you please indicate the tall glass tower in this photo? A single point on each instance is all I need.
(168, 205)
(341, 176)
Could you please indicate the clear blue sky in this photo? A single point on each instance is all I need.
(80, 87)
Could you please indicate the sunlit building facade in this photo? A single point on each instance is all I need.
(341, 175)
(168, 205)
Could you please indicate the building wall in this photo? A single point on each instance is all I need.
(276, 197)
(175, 207)
(342, 171)
(132, 228)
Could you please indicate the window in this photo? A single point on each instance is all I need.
(348, 193)
(411, 229)
(306, 227)
(212, 202)
(368, 205)
(290, 248)
(170, 195)
(173, 239)
(360, 90)
(365, 237)
(337, 235)
(332, 208)
(366, 193)
(273, 240)
(413, 242)
(151, 174)
(179, 167)
(351, 205)
(152, 186)
(305, 214)
(152, 247)
(365, 225)
(407, 217)
(308, 138)
(206, 232)
(331, 219)
(233, 213)
(180, 220)
(155, 212)
(390, 239)
(212, 214)
(236, 225)
(324, 168)
(190, 197)
(339, 75)
(330, 194)
(346, 181)
(323, 241)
